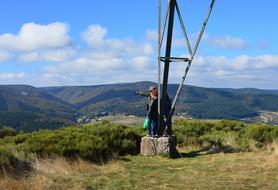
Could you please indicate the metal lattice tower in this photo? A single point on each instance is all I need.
(165, 117)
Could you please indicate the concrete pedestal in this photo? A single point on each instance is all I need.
(151, 146)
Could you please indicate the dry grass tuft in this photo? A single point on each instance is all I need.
(273, 151)
(273, 148)
(62, 167)
(52, 174)
(60, 173)
(253, 146)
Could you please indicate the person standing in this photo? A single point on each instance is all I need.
(153, 112)
(152, 108)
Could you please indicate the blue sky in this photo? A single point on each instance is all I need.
(70, 42)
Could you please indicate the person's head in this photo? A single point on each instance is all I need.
(153, 91)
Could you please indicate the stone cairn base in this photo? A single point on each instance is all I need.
(151, 146)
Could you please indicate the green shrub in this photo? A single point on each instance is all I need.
(103, 141)
(227, 125)
(234, 134)
(188, 131)
(215, 137)
(98, 143)
(262, 133)
(7, 131)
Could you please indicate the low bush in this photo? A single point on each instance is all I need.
(261, 133)
(98, 143)
(7, 131)
(237, 135)
(103, 141)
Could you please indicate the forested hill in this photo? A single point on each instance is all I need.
(51, 107)
(26, 108)
(197, 102)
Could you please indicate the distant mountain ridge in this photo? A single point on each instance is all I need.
(22, 106)
(252, 91)
(66, 103)
(197, 102)
(31, 99)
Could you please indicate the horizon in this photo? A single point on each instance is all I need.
(106, 84)
(71, 43)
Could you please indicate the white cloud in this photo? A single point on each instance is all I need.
(241, 63)
(59, 55)
(108, 60)
(4, 56)
(151, 35)
(178, 43)
(96, 37)
(90, 64)
(223, 42)
(11, 76)
(226, 42)
(112, 60)
(56, 55)
(148, 49)
(240, 71)
(29, 57)
(264, 61)
(103, 65)
(141, 62)
(122, 60)
(215, 71)
(33, 37)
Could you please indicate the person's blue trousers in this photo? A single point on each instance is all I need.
(152, 129)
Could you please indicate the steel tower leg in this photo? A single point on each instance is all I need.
(163, 116)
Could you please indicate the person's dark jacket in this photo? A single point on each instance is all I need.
(153, 112)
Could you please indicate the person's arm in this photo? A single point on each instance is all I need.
(145, 94)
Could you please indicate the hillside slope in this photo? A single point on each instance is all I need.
(21, 105)
(28, 108)
(197, 102)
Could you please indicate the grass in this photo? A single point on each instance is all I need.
(98, 156)
(252, 170)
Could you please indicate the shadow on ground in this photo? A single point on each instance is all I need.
(215, 149)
